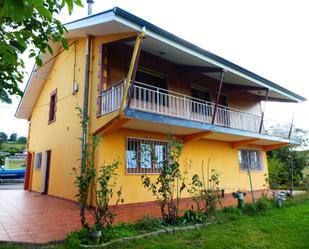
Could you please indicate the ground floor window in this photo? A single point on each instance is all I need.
(38, 160)
(145, 155)
(250, 159)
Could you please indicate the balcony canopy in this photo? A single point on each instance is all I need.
(162, 44)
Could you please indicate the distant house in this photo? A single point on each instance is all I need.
(175, 88)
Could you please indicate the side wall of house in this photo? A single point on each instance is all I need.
(61, 136)
(222, 156)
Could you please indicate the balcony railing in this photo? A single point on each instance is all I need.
(164, 102)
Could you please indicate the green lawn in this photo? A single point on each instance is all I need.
(278, 228)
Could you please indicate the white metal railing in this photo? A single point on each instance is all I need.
(164, 102)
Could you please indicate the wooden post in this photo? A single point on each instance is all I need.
(134, 73)
(218, 97)
(263, 113)
(131, 68)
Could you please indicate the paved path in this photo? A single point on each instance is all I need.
(31, 217)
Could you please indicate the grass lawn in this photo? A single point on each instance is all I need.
(278, 228)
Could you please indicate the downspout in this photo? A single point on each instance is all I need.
(86, 93)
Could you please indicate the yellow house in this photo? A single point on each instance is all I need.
(138, 84)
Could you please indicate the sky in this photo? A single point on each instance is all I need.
(270, 38)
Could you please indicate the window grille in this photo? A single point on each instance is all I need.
(145, 155)
(250, 159)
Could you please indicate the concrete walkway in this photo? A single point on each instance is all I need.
(32, 217)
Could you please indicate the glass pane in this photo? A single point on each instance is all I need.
(145, 155)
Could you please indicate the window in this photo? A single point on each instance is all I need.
(38, 160)
(52, 107)
(250, 159)
(145, 156)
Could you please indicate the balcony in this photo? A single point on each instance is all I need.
(160, 101)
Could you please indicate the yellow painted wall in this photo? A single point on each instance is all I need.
(223, 158)
(61, 136)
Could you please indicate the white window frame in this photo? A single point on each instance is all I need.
(139, 159)
(260, 160)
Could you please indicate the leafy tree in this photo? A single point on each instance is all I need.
(22, 140)
(24, 24)
(280, 160)
(13, 137)
(3, 137)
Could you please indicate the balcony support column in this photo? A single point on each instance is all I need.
(263, 113)
(218, 98)
(292, 123)
(132, 69)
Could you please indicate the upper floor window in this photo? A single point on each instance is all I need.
(38, 160)
(52, 107)
(145, 156)
(250, 159)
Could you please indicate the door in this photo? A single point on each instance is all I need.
(28, 171)
(198, 105)
(223, 115)
(45, 182)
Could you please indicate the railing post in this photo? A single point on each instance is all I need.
(263, 113)
(218, 97)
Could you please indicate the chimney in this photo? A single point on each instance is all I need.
(90, 2)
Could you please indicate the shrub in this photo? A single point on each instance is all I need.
(147, 224)
(263, 204)
(250, 208)
(118, 231)
(170, 183)
(205, 197)
(191, 216)
(74, 239)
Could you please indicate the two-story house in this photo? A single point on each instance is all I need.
(142, 84)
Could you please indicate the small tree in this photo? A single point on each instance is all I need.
(170, 183)
(205, 197)
(103, 188)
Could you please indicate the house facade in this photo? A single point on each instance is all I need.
(144, 85)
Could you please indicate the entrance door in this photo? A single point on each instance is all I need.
(223, 117)
(28, 171)
(45, 181)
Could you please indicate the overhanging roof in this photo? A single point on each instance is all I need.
(157, 40)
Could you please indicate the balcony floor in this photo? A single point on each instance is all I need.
(150, 122)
